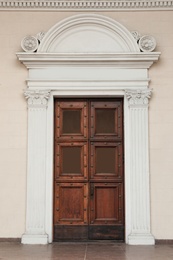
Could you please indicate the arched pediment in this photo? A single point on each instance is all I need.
(88, 33)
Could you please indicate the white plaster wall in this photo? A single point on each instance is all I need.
(13, 115)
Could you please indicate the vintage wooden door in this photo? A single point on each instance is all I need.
(88, 180)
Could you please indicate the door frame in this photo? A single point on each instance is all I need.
(128, 193)
(121, 71)
(137, 194)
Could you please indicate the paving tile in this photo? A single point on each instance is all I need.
(84, 251)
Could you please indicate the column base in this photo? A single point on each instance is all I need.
(34, 239)
(141, 239)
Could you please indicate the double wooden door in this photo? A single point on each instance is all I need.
(88, 169)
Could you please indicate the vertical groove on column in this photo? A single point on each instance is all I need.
(135, 161)
(143, 164)
(140, 170)
(147, 177)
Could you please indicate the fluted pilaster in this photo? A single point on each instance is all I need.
(139, 167)
(35, 212)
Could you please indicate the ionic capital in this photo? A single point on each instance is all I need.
(138, 97)
(37, 98)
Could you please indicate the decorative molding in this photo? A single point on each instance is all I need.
(37, 98)
(136, 35)
(30, 43)
(40, 36)
(59, 39)
(86, 5)
(147, 43)
(138, 97)
(120, 60)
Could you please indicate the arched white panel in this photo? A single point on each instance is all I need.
(88, 34)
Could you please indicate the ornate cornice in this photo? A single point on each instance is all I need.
(37, 98)
(84, 5)
(138, 97)
(120, 60)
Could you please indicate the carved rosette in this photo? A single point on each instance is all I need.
(37, 98)
(31, 43)
(147, 43)
(138, 97)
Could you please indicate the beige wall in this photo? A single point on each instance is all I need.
(13, 114)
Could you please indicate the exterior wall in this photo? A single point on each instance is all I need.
(13, 114)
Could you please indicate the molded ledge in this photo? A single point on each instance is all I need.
(34, 239)
(141, 239)
(129, 60)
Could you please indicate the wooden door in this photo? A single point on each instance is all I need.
(89, 181)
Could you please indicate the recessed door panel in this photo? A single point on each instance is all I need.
(106, 120)
(71, 161)
(88, 170)
(70, 211)
(71, 120)
(106, 161)
(71, 203)
(106, 203)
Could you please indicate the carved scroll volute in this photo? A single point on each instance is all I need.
(37, 98)
(138, 97)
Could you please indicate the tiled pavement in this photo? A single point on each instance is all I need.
(85, 251)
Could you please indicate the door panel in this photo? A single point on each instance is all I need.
(71, 211)
(71, 120)
(71, 203)
(106, 203)
(71, 161)
(106, 120)
(106, 161)
(88, 166)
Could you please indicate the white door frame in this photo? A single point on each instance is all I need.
(54, 72)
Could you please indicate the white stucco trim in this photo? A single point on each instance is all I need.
(85, 5)
(72, 33)
(122, 74)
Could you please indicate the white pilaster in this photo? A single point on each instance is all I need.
(139, 168)
(36, 168)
